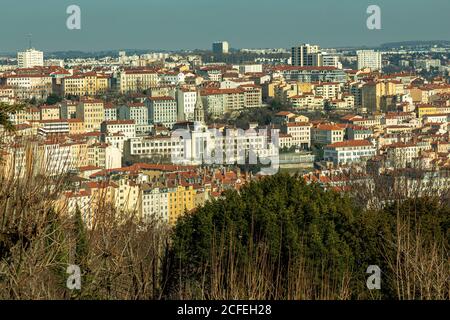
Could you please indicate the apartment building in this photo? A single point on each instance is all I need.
(162, 110)
(300, 133)
(137, 80)
(307, 101)
(86, 84)
(30, 58)
(104, 156)
(155, 203)
(137, 112)
(349, 151)
(181, 200)
(306, 55)
(49, 112)
(92, 113)
(369, 59)
(125, 127)
(326, 134)
(110, 112)
(252, 95)
(186, 99)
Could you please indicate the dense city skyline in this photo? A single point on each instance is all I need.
(137, 25)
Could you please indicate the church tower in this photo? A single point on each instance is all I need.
(199, 112)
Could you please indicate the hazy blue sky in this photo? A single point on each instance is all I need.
(190, 24)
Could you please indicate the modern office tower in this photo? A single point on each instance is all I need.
(306, 55)
(369, 59)
(30, 58)
(220, 47)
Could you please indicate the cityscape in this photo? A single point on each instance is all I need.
(250, 173)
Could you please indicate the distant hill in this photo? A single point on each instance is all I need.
(430, 43)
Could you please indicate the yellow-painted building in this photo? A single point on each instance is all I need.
(76, 126)
(427, 109)
(181, 199)
(372, 92)
(49, 112)
(92, 113)
(79, 154)
(86, 84)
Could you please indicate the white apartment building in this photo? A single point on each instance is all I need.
(110, 113)
(327, 90)
(249, 68)
(401, 154)
(369, 59)
(162, 110)
(30, 58)
(306, 55)
(154, 146)
(137, 112)
(155, 203)
(220, 101)
(186, 99)
(331, 60)
(300, 133)
(349, 151)
(115, 139)
(126, 127)
(51, 127)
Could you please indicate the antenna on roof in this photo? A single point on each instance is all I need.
(29, 40)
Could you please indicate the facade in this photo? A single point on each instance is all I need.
(104, 156)
(87, 84)
(162, 110)
(186, 99)
(137, 80)
(110, 112)
(349, 151)
(300, 133)
(306, 55)
(28, 86)
(137, 112)
(49, 112)
(369, 59)
(30, 58)
(252, 95)
(92, 113)
(155, 203)
(220, 47)
(325, 134)
(220, 101)
(126, 127)
(68, 110)
(312, 74)
(180, 200)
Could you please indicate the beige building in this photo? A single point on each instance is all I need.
(86, 84)
(49, 112)
(92, 113)
(136, 80)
